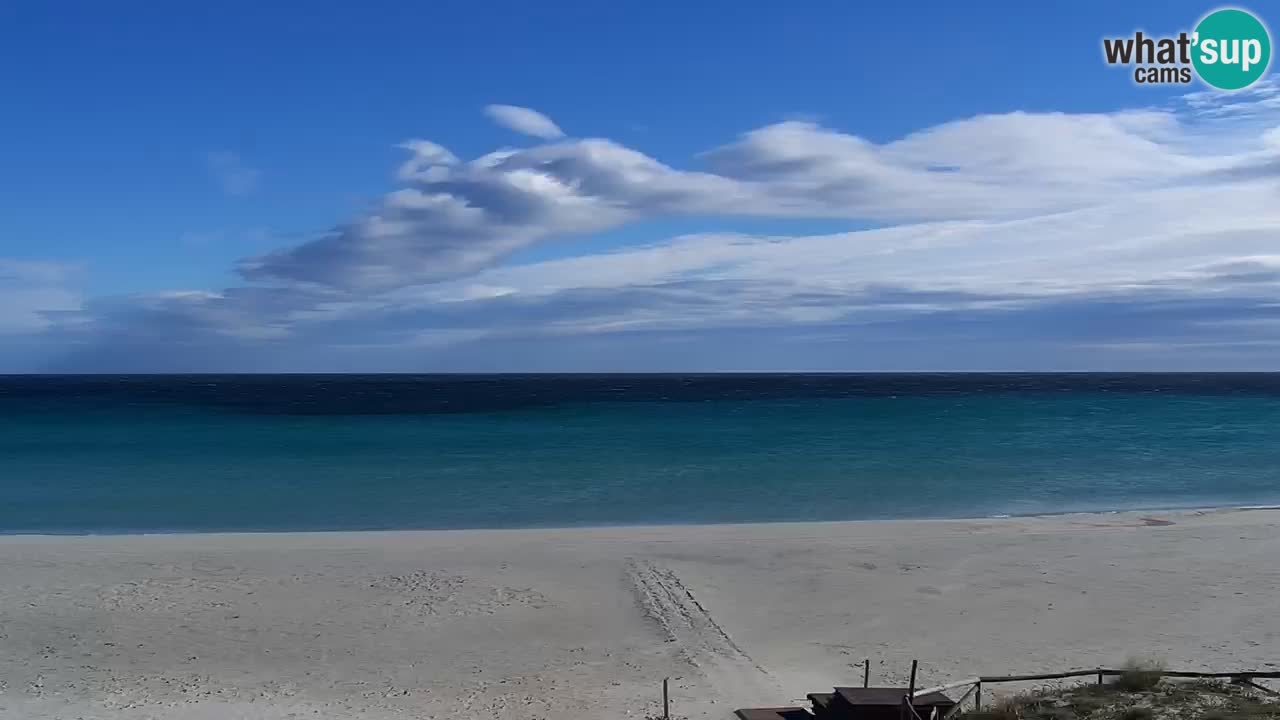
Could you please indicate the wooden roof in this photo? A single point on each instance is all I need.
(888, 696)
(778, 713)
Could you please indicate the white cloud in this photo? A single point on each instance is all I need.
(1153, 269)
(1153, 246)
(458, 217)
(989, 166)
(1154, 227)
(524, 121)
(1258, 100)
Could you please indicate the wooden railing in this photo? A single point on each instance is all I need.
(974, 684)
(1241, 677)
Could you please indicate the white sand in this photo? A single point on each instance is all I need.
(586, 623)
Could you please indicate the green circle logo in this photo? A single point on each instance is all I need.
(1232, 49)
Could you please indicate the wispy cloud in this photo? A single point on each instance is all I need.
(33, 293)
(457, 217)
(524, 121)
(1260, 100)
(1035, 240)
(231, 173)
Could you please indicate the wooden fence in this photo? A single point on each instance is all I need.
(974, 684)
(1242, 677)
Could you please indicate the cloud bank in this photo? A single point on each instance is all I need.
(1145, 238)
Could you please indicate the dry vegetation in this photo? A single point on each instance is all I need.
(1139, 694)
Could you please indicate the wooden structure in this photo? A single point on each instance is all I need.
(822, 704)
(782, 713)
(858, 703)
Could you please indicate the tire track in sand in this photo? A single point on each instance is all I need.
(703, 643)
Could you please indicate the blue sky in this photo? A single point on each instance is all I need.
(710, 186)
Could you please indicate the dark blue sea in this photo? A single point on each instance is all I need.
(99, 454)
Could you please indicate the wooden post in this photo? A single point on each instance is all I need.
(866, 673)
(1099, 676)
(908, 700)
(955, 709)
(666, 700)
(977, 696)
(1248, 681)
(948, 686)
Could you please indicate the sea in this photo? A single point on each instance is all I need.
(205, 453)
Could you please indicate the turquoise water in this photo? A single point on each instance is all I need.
(170, 454)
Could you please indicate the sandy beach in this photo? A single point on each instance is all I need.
(585, 623)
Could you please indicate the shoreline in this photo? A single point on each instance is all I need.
(1191, 509)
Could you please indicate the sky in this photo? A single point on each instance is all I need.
(631, 187)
